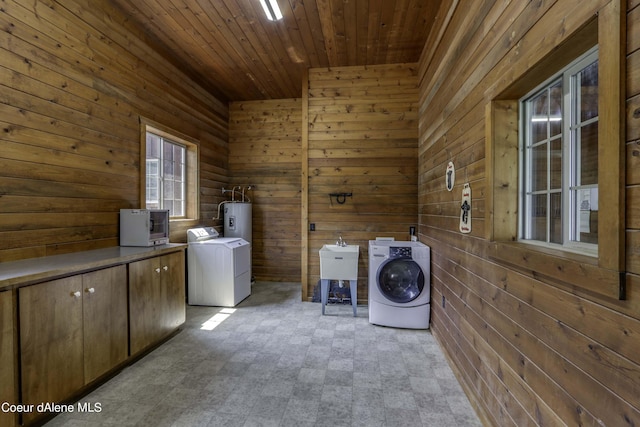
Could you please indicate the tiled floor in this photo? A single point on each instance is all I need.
(276, 361)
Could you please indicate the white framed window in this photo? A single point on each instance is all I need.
(589, 258)
(165, 175)
(169, 171)
(559, 159)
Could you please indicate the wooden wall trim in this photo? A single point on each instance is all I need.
(501, 154)
(304, 188)
(611, 135)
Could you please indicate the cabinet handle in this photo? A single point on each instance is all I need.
(90, 290)
(165, 268)
(157, 270)
(76, 294)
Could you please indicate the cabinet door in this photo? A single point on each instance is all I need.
(105, 318)
(145, 303)
(51, 341)
(173, 285)
(156, 299)
(7, 357)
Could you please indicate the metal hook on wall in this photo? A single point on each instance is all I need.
(341, 198)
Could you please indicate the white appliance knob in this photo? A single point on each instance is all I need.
(91, 290)
(76, 294)
(165, 268)
(157, 270)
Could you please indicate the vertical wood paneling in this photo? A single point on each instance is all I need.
(8, 357)
(362, 140)
(526, 352)
(232, 48)
(304, 187)
(265, 152)
(75, 77)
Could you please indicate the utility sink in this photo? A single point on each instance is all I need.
(339, 262)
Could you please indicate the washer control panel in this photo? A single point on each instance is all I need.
(400, 252)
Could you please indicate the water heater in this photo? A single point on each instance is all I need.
(237, 220)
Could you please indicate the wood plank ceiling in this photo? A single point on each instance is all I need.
(231, 48)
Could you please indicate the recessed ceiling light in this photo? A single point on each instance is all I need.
(271, 9)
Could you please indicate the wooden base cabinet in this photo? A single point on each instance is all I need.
(7, 358)
(156, 299)
(106, 321)
(72, 330)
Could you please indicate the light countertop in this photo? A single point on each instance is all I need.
(33, 270)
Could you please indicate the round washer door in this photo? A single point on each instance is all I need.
(400, 280)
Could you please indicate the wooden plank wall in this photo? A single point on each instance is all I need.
(362, 132)
(75, 77)
(265, 152)
(362, 140)
(527, 353)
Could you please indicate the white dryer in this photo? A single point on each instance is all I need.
(399, 284)
(218, 268)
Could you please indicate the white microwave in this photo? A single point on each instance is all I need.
(144, 227)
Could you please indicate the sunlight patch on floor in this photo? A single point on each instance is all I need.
(217, 318)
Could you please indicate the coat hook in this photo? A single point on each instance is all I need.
(341, 198)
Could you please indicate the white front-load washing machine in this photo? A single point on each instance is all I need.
(399, 284)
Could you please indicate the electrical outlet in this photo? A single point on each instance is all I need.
(312, 227)
(443, 301)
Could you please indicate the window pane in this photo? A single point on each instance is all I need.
(178, 190)
(152, 195)
(539, 217)
(555, 225)
(168, 190)
(588, 82)
(178, 154)
(167, 169)
(587, 215)
(167, 150)
(152, 183)
(555, 109)
(178, 208)
(584, 193)
(589, 154)
(152, 167)
(166, 177)
(179, 172)
(152, 189)
(560, 157)
(153, 146)
(539, 167)
(539, 117)
(556, 164)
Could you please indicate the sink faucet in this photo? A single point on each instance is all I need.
(341, 242)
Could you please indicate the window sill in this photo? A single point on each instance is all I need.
(564, 251)
(563, 269)
(183, 221)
